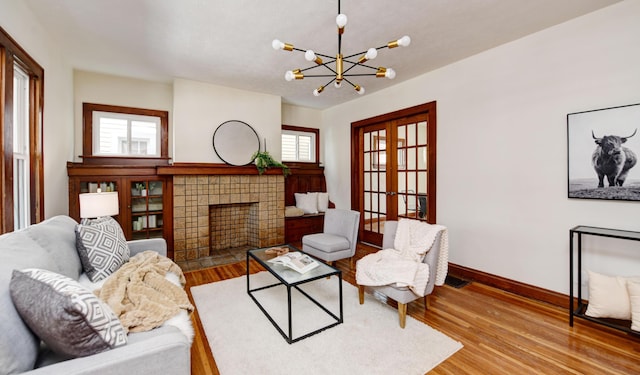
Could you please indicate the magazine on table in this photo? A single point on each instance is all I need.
(296, 261)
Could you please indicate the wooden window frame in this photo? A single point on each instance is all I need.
(315, 131)
(12, 53)
(87, 136)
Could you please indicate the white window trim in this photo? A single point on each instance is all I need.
(312, 146)
(97, 115)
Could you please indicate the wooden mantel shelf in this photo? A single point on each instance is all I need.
(80, 169)
(212, 169)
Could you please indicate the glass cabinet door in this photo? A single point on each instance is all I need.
(147, 209)
(93, 186)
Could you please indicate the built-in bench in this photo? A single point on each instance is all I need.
(303, 179)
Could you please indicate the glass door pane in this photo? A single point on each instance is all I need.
(374, 180)
(412, 168)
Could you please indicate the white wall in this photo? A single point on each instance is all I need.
(502, 147)
(107, 89)
(17, 20)
(199, 108)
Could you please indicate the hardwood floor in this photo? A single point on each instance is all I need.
(502, 333)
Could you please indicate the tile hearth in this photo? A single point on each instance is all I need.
(225, 256)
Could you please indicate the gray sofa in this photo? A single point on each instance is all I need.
(51, 245)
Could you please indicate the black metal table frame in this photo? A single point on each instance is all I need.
(288, 336)
(579, 311)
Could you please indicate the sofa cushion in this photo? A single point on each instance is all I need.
(102, 247)
(326, 242)
(307, 202)
(70, 319)
(18, 345)
(323, 201)
(56, 237)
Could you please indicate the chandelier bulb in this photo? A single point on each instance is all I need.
(289, 76)
(341, 21)
(317, 91)
(309, 55)
(276, 44)
(390, 73)
(359, 89)
(404, 41)
(372, 53)
(337, 84)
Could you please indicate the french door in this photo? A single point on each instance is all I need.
(394, 173)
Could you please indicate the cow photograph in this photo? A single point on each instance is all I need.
(603, 151)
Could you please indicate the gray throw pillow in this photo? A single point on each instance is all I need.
(101, 246)
(70, 319)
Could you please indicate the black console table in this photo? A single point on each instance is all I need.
(582, 307)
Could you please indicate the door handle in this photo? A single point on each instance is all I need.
(392, 193)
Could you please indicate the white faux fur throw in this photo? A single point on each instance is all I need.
(402, 266)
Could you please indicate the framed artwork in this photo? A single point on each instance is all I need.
(603, 149)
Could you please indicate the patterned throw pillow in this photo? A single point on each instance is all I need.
(70, 319)
(102, 247)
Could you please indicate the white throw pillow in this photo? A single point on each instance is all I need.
(308, 203)
(633, 287)
(608, 297)
(323, 202)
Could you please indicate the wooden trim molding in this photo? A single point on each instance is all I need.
(212, 169)
(516, 287)
(87, 130)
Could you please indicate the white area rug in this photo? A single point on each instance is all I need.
(370, 341)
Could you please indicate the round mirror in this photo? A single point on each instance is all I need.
(235, 142)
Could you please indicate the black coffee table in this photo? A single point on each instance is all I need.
(292, 279)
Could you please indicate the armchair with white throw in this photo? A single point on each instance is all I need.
(413, 261)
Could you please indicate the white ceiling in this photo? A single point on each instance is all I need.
(228, 42)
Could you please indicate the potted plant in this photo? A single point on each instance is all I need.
(264, 160)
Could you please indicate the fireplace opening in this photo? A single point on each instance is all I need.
(232, 226)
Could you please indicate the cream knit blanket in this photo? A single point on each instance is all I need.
(141, 296)
(402, 266)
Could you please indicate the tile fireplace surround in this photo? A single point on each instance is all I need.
(194, 197)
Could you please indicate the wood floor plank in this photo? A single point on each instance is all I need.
(502, 333)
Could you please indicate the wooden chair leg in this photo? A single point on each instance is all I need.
(402, 314)
(427, 302)
(351, 262)
(361, 293)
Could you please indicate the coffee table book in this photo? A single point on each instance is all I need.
(297, 261)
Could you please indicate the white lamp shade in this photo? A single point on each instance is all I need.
(98, 204)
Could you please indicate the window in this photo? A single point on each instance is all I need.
(300, 144)
(21, 92)
(120, 134)
(21, 214)
(111, 132)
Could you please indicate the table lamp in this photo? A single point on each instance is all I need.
(94, 205)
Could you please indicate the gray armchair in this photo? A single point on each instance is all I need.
(338, 239)
(403, 295)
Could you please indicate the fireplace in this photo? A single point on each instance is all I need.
(233, 225)
(196, 197)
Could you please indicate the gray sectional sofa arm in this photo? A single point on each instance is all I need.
(158, 245)
(166, 351)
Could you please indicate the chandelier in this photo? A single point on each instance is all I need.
(338, 72)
